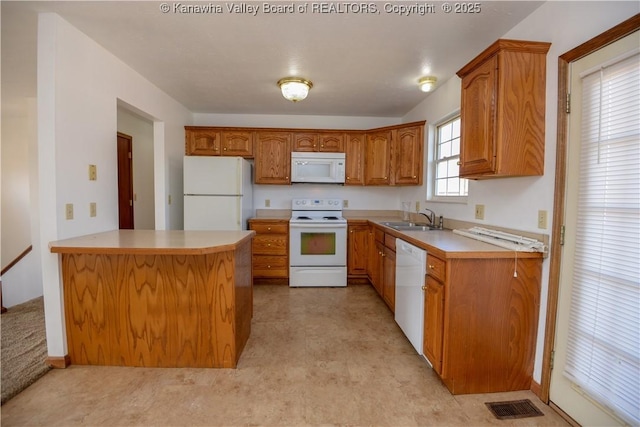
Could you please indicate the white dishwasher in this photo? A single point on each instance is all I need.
(410, 274)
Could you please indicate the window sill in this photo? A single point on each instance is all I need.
(460, 200)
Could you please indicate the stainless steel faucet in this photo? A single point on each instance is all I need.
(431, 217)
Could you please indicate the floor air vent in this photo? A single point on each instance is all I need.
(513, 409)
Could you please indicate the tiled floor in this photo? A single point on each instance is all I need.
(315, 356)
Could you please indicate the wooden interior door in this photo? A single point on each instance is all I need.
(125, 181)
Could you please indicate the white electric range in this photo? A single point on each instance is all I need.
(317, 243)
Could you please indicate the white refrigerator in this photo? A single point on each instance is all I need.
(218, 193)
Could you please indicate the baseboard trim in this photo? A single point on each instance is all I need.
(58, 362)
(282, 281)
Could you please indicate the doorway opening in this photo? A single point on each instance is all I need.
(125, 182)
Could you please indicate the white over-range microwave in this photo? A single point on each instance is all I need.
(325, 168)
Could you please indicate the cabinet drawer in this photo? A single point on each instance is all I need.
(277, 228)
(270, 266)
(390, 241)
(435, 267)
(379, 234)
(270, 244)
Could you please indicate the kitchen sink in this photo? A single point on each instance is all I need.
(410, 226)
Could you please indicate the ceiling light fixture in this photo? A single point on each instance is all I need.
(427, 83)
(295, 88)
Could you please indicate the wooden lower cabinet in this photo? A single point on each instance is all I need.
(381, 264)
(270, 248)
(389, 278)
(484, 340)
(433, 322)
(374, 260)
(148, 309)
(357, 249)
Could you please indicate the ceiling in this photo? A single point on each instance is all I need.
(361, 64)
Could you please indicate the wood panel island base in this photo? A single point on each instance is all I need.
(157, 298)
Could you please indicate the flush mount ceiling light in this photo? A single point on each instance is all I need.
(427, 83)
(295, 88)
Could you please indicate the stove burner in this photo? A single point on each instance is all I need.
(333, 218)
(303, 217)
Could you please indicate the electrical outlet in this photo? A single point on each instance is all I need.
(417, 206)
(93, 173)
(345, 203)
(542, 219)
(68, 211)
(267, 203)
(169, 198)
(92, 209)
(479, 211)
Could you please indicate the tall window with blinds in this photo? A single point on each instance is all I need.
(604, 334)
(447, 182)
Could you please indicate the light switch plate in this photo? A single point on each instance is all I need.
(542, 219)
(345, 203)
(267, 203)
(93, 173)
(68, 211)
(479, 211)
(92, 209)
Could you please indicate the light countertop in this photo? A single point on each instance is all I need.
(442, 243)
(158, 242)
(446, 244)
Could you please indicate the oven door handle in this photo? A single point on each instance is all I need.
(334, 226)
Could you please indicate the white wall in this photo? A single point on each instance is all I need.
(514, 202)
(23, 281)
(141, 132)
(16, 234)
(79, 88)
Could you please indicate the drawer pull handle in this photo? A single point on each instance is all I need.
(268, 228)
(431, 266)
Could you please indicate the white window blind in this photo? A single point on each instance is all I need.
(604, 334)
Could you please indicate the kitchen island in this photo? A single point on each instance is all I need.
(157, 298)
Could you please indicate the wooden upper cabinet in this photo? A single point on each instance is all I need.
(237, 143)
(503, 111)
(305, 141)
(354, 155)
(328, 142)
(331, 142)
(206, 141)
(202, 142)
(391, 155)
(273, 158)
(378, 158)
(407, 155)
